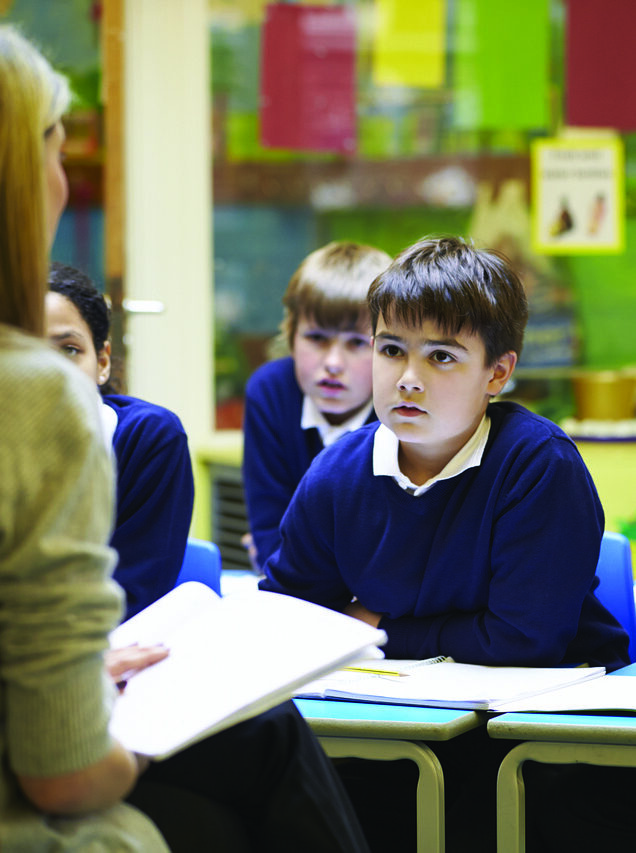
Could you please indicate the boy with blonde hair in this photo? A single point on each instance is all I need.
(297, 405)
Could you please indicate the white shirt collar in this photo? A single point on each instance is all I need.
(313, 417)
(109, 423)
(385, 457)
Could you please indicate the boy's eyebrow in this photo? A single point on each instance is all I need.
(446, 342)
(430, 342)
(70, 333)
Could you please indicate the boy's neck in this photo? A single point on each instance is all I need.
(337, 419)
(416, 468)
(420, 464)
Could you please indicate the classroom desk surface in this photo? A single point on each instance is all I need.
(602, 739)
(384, 732)
(373, 719)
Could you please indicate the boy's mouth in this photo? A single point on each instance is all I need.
(408, 410)
(331, 385)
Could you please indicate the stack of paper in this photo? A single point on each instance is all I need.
(447, 684)
(230, 658)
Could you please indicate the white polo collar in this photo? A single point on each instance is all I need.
(385, 457)
(312, 417)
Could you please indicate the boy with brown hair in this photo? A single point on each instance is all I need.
(460, 526)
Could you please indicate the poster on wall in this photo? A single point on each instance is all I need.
(578, 204)
(307, 95)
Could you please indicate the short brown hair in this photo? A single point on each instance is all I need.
(330, 287)
(449, 281)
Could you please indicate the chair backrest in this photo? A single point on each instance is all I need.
(615, 590)
(201, 562)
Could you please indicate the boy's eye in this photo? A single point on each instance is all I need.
(442, 357)
(391, 350)
(69, 350)
(358, 343)
(315, 337)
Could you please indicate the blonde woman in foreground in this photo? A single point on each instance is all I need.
(264, 784)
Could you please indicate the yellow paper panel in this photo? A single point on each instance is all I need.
(410, 38)
(238, 13)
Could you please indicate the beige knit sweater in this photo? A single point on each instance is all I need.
(57, 602)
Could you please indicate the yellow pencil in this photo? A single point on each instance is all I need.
(373, 671)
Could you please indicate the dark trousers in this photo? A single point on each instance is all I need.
(579, 808)
(569, 808)
(264, 785)
(383, 794)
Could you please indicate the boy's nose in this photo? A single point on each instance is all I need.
(409, 381)
(333, 358)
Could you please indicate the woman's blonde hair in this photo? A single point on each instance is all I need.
(33, 98)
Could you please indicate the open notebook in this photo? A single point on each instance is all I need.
(611, 693)
(230, 659)
(440, 682)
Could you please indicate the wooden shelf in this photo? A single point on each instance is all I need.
(354, 183)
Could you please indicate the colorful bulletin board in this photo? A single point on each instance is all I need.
(578, 202)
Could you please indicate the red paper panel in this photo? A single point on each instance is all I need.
(308, 78)
(601, 64)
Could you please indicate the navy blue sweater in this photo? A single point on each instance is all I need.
(494, 566)
(155, 494)
(277, 451)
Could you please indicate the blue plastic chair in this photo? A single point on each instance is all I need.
(616, 583)
(201, 562)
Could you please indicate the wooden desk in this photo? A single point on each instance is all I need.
(390, 732)
(554, 739)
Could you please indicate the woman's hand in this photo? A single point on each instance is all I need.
(122, 664)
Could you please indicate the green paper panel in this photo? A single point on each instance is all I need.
(606, 303)
(391, 230)
(501, 70)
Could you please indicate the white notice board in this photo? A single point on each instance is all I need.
(578, 197)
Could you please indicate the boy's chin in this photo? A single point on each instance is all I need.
(336, 414)
(409, 433)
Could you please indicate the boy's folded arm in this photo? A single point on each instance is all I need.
(303, 566)
(478, 638)
(328, 591)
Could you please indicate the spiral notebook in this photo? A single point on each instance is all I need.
(441, 682)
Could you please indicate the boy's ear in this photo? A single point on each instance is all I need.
(501, 372)
(103, 364)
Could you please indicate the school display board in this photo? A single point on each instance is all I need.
(578, 202)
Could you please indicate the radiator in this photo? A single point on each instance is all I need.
(229, 515)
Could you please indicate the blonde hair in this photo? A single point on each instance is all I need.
(330, 288)
(33, 98)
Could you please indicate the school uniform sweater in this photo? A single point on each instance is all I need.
(277, 451)
(155, 494)
(493, 566)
